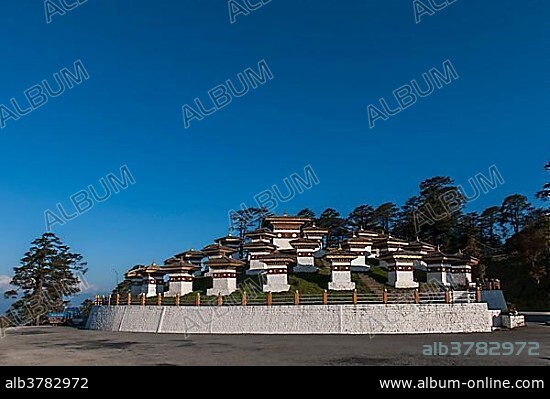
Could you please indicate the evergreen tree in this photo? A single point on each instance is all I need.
(406, 225)
(544, 194)
(306, 213)
(530, 246)
(515, 213)
(361, 217)
(245, 220)
(489, 225)
(466, 235)
(385, 216)
(45, 278)
(441, 201)
(330, 219)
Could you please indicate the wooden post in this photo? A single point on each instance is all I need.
(296, 297)
(159, 299)
(103, 300)
(325, 297)
(355, 296)
(447, 296)
(416, 296)
(117, 299)
(269, 299)
(177, 299)
(129, 299)
(198, 299)
(220, 299)
(142, 299)
(243, 302)
(478, 294)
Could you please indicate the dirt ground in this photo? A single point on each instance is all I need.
(69, 346)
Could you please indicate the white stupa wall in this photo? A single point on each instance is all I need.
(276, 283)
(149, 288)
(340, 280)
(402, 278)
(222, 285)
(179, 287)
(256, 266)
(283, 243)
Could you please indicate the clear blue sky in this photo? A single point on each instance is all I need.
(331, 59)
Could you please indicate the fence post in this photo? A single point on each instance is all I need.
(447, 296)
(385, 296)
(220, 299)
(142, 299)
(103, 300)
(296, 297)
(129, 299)
(355, 296)
(416, 296)
(177, 299)
(159, 299)
(325, 297)
(478, 294)
(269, 299)
(243, 300)
(198, 299)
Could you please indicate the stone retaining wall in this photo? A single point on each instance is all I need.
(302, 319)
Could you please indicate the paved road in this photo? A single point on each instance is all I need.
(68, 346)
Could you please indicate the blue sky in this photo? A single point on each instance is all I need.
(330, 60)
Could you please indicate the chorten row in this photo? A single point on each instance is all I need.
(288, 244)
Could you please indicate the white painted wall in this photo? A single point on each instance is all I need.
(223, 286)
(149, 289)
(179, 287)
(303, 319)
(284, 243)
(340, 280)
(511, 321)
(256, 266)
(276, 283)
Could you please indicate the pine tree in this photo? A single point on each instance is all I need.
(544, 194)
(515, 212)
(385, 216)
(45, 278)
(361, 217)
(336, 225)
(306, 213)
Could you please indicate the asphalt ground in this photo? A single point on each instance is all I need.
(65, 346)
